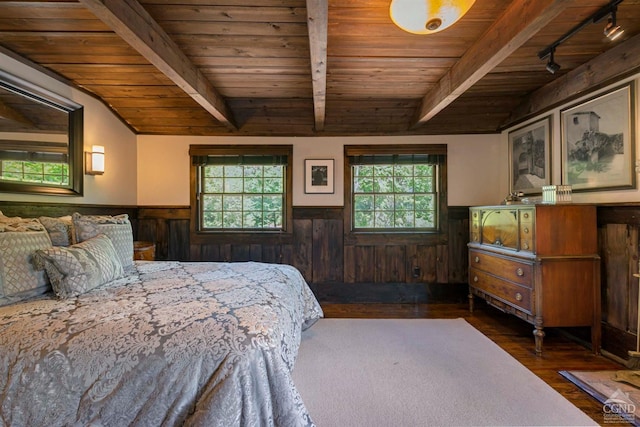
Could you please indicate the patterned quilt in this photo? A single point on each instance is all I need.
(206, 344)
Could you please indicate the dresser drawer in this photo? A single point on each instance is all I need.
(514, 271)
(508, 292)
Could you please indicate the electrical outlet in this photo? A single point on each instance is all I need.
(416, 272)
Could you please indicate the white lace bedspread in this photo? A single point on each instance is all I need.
(207, 344)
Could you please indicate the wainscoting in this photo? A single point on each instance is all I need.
(317, 248)
(343, 270)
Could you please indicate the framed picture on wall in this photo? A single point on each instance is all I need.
(598, 141)
(318, 176)
(530, 157)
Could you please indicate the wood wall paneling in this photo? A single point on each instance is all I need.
(457, 256)
(302, 241)
(618, 227)
(616, 259)
(327, 252)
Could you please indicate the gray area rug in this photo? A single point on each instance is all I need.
(420, 372)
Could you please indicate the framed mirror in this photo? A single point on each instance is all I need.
(41, 140)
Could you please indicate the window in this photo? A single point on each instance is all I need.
(390, 194)
(32, 162)
(396, 188)
(35, 172)
(241, 189)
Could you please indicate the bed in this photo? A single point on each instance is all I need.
(163, 343)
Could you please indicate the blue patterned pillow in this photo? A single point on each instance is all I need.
(79, 268)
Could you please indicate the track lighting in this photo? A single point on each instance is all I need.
(612, 30)
(552, 66)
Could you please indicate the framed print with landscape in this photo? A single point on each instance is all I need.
(318, 176)
(598, 141)
(530, 157)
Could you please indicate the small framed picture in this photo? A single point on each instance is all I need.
(530, 157)
(318, 176)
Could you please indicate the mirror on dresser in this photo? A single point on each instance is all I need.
(41, 140)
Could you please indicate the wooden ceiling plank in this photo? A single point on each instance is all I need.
(522, 20)
(282, 3)
(317, 22)
(44, 9)
(226, 13)
(134, 24)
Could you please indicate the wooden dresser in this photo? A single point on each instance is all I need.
(538, 262)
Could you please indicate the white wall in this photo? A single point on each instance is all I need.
(118, 184)
(600, 196)
(475, 166)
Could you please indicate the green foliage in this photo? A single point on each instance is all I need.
(35, 172)
(243, 197)
(394, 196)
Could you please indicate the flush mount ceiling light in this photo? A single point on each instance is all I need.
(427, 16)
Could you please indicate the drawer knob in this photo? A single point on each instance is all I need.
(477, 259)
(525, 245)
(526, 230)
(518, 296)
(526, 215)
(475, 278)
(520, 272)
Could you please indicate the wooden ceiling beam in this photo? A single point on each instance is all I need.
(317, 23)
(522, 20)
(624, 59)
(133, 23)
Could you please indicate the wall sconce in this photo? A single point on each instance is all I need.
(94, 162)
(427, 16)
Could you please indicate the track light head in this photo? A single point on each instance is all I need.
(612, 30)
(552, 66)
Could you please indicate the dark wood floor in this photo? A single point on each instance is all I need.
(560, 352)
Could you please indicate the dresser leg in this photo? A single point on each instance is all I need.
(538, 334)
(470, 302)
